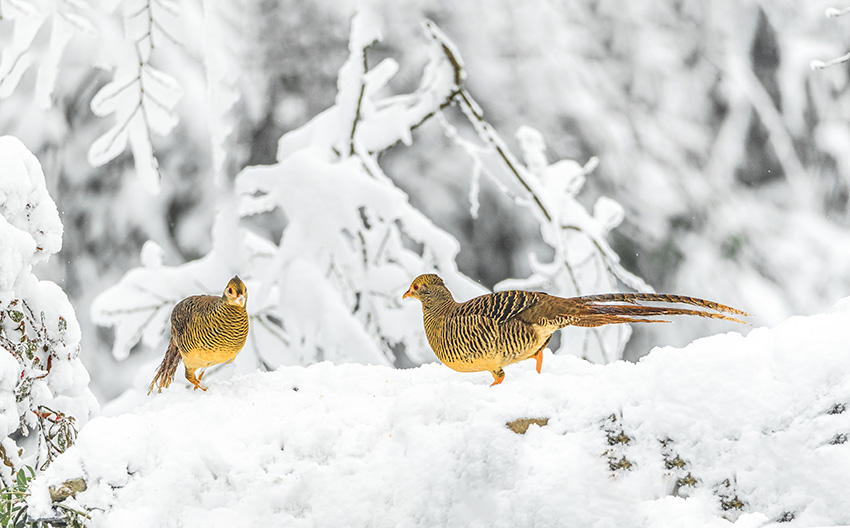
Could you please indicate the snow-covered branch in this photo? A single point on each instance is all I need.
(141, 97)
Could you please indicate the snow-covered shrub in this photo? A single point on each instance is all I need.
(44, 395)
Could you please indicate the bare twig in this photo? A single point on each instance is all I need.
(476, 117)
(72, 510)
(356, 119)
(473, 112)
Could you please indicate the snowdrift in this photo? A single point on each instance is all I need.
(730, 430)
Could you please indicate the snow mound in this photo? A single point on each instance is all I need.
(730, 430)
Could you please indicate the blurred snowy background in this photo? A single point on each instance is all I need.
(729, 155)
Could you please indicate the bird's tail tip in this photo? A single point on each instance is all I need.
(165, 372)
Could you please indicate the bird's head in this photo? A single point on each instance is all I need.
(236, 293)
(426, 288)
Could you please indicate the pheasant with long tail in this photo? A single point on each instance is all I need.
(495, 330)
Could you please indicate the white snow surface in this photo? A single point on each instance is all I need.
(759, 418)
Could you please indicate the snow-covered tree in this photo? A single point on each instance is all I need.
(44, 395)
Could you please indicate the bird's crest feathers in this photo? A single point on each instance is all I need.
(421, 285)
(428, 279)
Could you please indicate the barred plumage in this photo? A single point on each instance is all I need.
(495, 330)
(205, 330)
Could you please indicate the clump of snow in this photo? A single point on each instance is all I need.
(43, 384)
(728, 431)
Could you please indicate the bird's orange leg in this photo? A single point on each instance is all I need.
(498, 375)
(539, 355)
(190, 375)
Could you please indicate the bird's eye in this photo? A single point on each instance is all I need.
(230, 290)
(415, 287)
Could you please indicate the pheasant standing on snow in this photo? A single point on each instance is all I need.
(495, 330)
(205, 330)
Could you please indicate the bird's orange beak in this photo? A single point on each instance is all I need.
(240, 300)
(408, 293)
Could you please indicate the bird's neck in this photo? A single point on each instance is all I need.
(235, 309)
(435, 309)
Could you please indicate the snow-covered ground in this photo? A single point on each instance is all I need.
(730, 430)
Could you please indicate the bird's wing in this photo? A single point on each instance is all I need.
(190, 311)
(500, 306)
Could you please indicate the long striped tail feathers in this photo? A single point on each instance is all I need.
(598, 310)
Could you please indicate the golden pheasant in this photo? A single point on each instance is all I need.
(497, 329)
(205, 330)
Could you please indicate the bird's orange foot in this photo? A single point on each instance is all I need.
(539, 357)
(196, 381)
(499, 376)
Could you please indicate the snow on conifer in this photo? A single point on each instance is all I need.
(44, 393)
